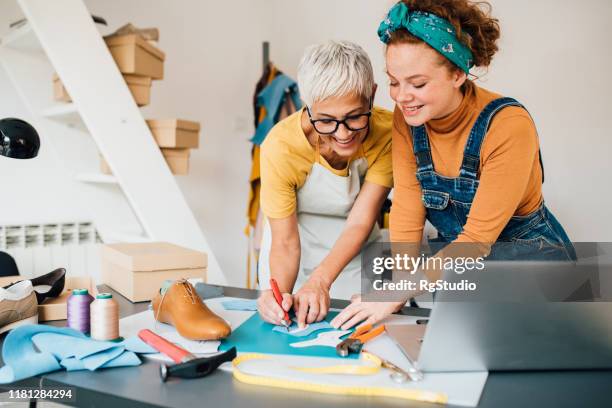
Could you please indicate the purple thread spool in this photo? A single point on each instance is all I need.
(78, 310)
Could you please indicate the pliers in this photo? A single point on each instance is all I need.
(355, 341)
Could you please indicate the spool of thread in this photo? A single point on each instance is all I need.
(78, 310)
(104, 318)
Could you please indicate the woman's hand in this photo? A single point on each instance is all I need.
(269, 310)
(311, 301)
(366, 312)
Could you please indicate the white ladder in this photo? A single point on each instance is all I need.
(142, 200)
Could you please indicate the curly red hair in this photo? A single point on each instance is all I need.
(472, 21)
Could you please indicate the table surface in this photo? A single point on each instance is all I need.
(141, 386)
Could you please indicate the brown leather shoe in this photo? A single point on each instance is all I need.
(181, 307)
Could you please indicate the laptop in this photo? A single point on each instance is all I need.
(524, 316)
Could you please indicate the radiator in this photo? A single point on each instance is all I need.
(41, 248)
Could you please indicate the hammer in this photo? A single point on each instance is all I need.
(187, 365)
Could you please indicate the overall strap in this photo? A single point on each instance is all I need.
(471, 154)
(421, 149)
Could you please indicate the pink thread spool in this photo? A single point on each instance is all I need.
(104, 317)
(77, 312)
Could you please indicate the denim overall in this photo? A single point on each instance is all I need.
(536, 236)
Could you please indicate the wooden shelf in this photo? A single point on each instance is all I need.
(66, 113)
(23, 39)
(97, 178)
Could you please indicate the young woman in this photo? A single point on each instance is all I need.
(325, 172)
(464, 158)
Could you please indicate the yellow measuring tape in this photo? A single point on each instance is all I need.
(347, 368)
(374, 367)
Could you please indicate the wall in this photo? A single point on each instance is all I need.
(554, 57)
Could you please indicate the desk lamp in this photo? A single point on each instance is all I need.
(18, 139)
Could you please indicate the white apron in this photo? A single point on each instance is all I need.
(323, 205)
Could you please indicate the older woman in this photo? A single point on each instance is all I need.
(325, 172)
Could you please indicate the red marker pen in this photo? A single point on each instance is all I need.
(279, 299)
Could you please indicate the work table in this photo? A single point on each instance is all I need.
(141, 386)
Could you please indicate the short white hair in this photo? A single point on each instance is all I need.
(333, 69)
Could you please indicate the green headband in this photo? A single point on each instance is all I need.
(438, 32)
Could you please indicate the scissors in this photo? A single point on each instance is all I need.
(355, 341)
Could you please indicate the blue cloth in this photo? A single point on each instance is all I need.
(36, 349)
(312, 327)
(272, 98)
(448, 200)
(208, 291)
(257, 336)
(241, 304)
(251, 305)
(437, 32)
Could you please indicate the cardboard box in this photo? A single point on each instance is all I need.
(139, 86)
(59, 91)
(136, 56)
(177, 159)
(57, 308)
(104, 167)
(175, 133)
(137, 270)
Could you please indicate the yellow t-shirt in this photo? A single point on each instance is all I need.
(287, 159)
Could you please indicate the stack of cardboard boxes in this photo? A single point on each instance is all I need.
(140, 62)
(175, 137)
(140, 87)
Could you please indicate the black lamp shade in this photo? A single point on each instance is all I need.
(18, 139)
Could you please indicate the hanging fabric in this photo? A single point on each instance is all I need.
(276, 97)
(273, 98)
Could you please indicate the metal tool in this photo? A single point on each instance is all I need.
(188, 365)
(398, 374)
(355, 341)
(401, 376)
(328, 338)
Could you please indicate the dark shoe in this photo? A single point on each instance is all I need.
(8, 267)
(49, 285)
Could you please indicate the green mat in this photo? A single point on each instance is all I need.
(256, 336)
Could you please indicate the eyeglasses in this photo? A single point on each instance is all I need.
(330, 126)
